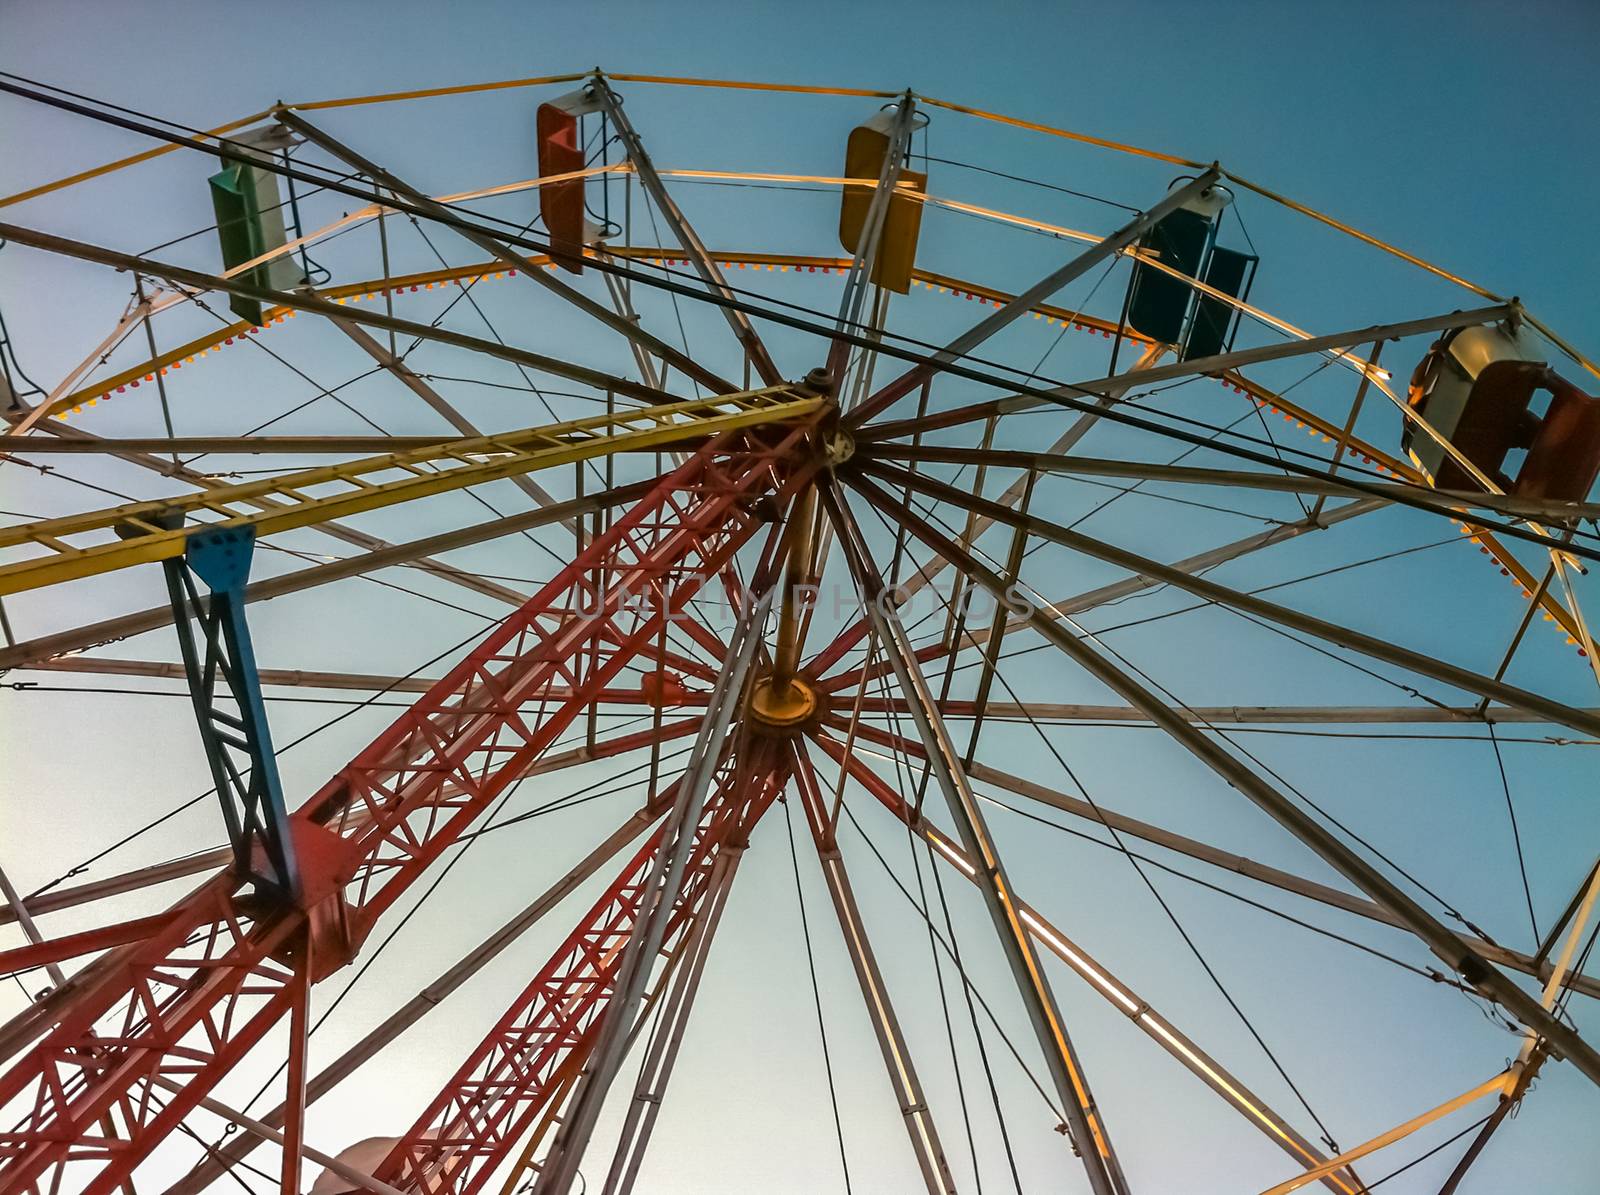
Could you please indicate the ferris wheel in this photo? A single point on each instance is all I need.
(763, 504)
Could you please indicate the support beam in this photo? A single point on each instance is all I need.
(46, 1011)
(662, 889)
(914, 1111)
(1219, 364)
(1088, 466)
(294, 1124)
(1025, 302)
(1100, 815)
(214, 1167)
(219, 664)
(693, 247)
(1066, 1072)
(309, 302)
(1464, 960)
(497, 248)
(444, 409)
(1102, 982)
(47, 953)
(1368, 645)
(425, 472)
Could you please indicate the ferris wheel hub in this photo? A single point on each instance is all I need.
(782, 706)
(839, 447)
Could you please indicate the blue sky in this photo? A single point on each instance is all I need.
(1462, 132)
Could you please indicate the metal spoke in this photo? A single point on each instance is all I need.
(871, 236)
(693, 246)
(1222, 363)
(1087, 466)
(650, 926)
(688, 963)
(1335, 898)
(497, 248)
(1101, 981)
(1368, 645)
(1025, 302)
(1464, 960)
(885, 1024)
(1094, 1146)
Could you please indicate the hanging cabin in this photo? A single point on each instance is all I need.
(562, 204)
(250, 224)
(1488, 391)
(864, 158)
(1171, 309)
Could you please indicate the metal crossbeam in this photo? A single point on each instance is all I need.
(360, 486)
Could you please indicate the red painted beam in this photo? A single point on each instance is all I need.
(184, 1006)
(55, 950)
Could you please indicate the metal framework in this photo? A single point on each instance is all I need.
(225, 687)
(105, 1066)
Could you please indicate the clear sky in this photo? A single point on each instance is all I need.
(1464, 132)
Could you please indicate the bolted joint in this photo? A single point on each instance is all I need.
(838, 447)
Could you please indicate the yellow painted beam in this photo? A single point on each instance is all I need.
(187, 354)
(369, 483)
(84, 176)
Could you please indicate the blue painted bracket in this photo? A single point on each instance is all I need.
(225, 688)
